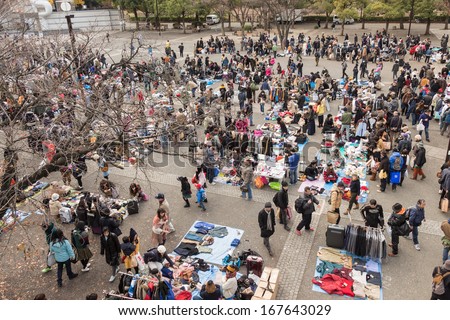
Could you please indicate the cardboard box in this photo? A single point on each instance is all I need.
(266, 274)
(274, 275)
(260, 290)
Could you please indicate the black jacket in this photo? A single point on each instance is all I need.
(153, 255)
(283, 199)
(420, 157)
(311, 171)
(373, 216)
(355, 187)
(110, 248)
(216, 295)
(308, 208)
(112, 224)
(262, 221)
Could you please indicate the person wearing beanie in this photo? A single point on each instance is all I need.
(419, 158)
(155, 258)
(444, 270)
(266, 221)
(445, 227)
(281, 200)
(396, 221)
(80, 240)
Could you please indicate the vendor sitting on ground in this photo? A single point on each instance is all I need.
(108, 188)
(329, 175)
(230, 285)
(311, 171)
(155, 258)
(136, 192)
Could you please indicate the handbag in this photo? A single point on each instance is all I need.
(444, 205)
(420, 126)
(404, 229)
(51, 260)
(244, 188)
(75, 260)
(332, 217)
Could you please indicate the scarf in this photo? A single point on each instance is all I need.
(269, 221)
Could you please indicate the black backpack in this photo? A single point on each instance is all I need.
(275, 199)
(132, 207)
(300, 205)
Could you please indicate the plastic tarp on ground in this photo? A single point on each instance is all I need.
(316, 288)
(220, 247)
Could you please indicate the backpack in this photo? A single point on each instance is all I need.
(415, 82)
(299, 205)
(275, 199)
(397, 166)
(438, 284)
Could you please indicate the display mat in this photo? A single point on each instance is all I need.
(371, 266)
(220, 247)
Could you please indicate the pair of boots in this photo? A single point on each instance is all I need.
(187, 205)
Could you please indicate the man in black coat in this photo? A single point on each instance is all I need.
(306, 208)
(373, 214)
(281, 200)
(110, 247)
(266, 221)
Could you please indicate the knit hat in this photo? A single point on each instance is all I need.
(447, 265)
(418, 137)
(161, 249)
(268, 205)
(397, 207)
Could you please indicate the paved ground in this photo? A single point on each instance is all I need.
(295, 256)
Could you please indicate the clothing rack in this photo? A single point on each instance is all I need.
(153, 279)
(365, 241)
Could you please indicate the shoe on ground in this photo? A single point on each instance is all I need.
(417, 247)
(186, 206)
(392, 254)
(112, 278)
(74, 276)
(270, 253)
(423, 177)
(213, 183)
(390, 245)
(310, 229)
(85, 269)
(88, 265)
(379, 191)
(298, 232)
(45, 270)
(287, 228)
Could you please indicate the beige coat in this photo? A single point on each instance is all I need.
(336, 198)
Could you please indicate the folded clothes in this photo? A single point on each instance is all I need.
(219, 232)
(374, 278)
(335, 256)
(202, 231)
(186, 249)
(372, 291)
(372, 266)
(359, 276)
(203, 249)
(358, 290)
(326, 267)
(204, 225)
(235, 242)
(192, 236)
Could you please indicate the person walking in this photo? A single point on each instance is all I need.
(201, 196)
(181, 48)
(355, 191)
(445, 227)
(395, 168)
(186, 192)
(383, 171)
(444, 271)
(80, 240)
(346, 121)
(266, 221)
(164, 204)
(416, 217)
(64, 253)
(419, 158)
(110, 248)
(247, 177)
(344, 68)
(396, 221)
(281, 200)
(425, 119)
(305, 206)
(336, 198)
(49, 230)
(373, 214)
(102, 165)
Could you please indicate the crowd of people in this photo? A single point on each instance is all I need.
(252, 76)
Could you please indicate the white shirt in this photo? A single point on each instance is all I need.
(229, 288)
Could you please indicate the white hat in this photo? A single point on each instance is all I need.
(95, 156)
(161, 249)
(418, 137)
(55, 196)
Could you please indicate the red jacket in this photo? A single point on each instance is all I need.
(333, 284)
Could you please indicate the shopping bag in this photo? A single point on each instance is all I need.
(140, 263)
(395, 177)
(332, 217)
(444, 205)
(51, 259)
(289, 212)
(420, 126)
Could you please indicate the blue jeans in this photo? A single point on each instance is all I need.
(250, 118)
(202, 205)
(427, 135)
(415, 234)
(250, 193)
(70, 274)
(445, 252)
(261, 107)
(413, 118)
(293, 175)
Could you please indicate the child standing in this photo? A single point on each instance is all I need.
(201, 195)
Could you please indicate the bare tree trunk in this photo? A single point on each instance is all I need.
(326, 20)
(446, 23)
(342, 28)
(147, 18)
(387, 26)
(136, 17)
(222, 26)
(184, 22)
(229, 20)
(427, 30)
(363, 21)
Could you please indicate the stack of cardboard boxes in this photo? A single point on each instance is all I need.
(268, 285)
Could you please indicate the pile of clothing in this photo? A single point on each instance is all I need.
(341, 274)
